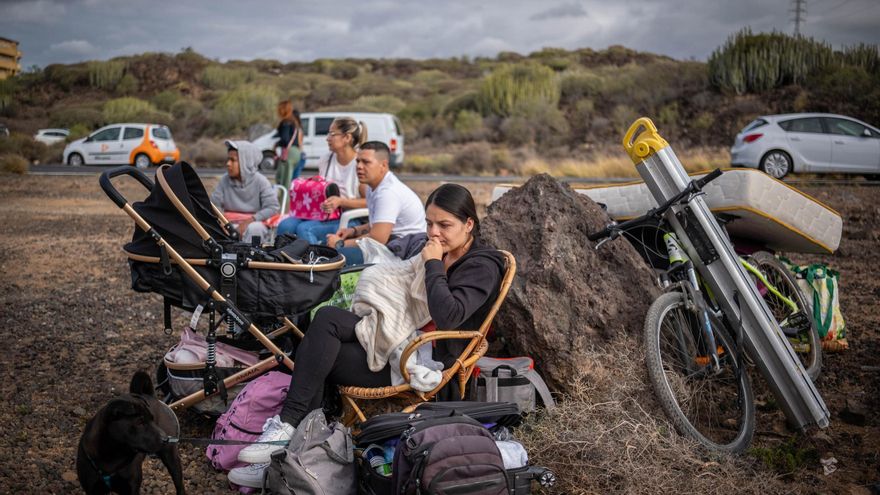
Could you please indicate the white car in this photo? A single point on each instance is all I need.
(383, 127)
(137, 144)
(808, 142)
(51, 136)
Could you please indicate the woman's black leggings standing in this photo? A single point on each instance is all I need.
(330, 353)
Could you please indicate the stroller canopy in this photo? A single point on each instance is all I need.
(160, 212)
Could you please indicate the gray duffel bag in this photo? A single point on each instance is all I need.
(318, 461)
(511, 380)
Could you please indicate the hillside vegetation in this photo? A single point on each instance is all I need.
(481, 115)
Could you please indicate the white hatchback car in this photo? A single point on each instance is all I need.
(808, 142)
(383, 127)
(137, 144)
(51, 136)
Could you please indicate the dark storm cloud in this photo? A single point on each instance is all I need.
(565, 10)
(53, 31)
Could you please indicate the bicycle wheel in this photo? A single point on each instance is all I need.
(806, 342)
(716, 409)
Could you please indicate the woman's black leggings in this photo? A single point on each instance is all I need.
(329, 353)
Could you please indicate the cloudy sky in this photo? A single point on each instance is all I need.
(64, 31)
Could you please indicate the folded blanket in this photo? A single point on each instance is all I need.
(392, 302)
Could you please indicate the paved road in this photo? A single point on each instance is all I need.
(215, 172)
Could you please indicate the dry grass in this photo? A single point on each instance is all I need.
(610, 436)
(13, 164)
(608, 163)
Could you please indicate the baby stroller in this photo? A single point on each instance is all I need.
(185, 250)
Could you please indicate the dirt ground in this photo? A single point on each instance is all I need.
(75, 333)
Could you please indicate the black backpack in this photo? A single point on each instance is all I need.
(453, 454)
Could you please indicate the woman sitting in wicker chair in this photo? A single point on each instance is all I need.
(462, 278)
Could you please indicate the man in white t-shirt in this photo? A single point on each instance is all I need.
(394, 209)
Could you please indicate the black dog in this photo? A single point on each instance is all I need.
(114, 443)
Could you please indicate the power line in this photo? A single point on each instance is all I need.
(834, 7)
(800, 13)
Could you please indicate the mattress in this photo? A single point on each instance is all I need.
(760, 208)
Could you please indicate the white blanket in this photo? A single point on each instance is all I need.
(392, 303)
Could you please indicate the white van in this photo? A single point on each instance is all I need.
(383, 127)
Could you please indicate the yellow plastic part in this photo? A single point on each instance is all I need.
(646, 143)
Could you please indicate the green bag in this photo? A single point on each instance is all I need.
(345, 293)
(820, 284)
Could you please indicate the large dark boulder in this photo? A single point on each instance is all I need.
(567, 296)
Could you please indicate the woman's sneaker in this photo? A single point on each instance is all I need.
(274, 430)
(250, 475)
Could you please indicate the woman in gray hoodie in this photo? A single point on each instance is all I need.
(243, 194)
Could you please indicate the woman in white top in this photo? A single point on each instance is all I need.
(339, 167)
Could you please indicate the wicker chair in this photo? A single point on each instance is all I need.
(462, 368)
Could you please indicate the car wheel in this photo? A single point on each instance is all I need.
(776, 164)
(75, 160)
(268, 164)
(142, 161)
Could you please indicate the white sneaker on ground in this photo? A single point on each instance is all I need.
(250, 475)
(274, 430)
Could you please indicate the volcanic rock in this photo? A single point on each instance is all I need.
(567, 296)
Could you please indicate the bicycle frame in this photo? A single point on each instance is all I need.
(714, 258)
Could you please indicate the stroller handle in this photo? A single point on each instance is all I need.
(111, 191)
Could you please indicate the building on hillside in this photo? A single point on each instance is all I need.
(9, 58)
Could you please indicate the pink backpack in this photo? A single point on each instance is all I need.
(259, 400)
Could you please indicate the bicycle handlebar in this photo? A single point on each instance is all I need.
(614, 230)
(111, 191)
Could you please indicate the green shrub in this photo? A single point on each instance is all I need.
(581, 120)
(69, 116)
(8, 89)
(428, 164)
(164, 100)
(622, 117)
(341, 69)
(787, 457)
(863, 55)
(219, 77)
(23, 145)
(380, 103)
(186, 108)
(468, 125)
(130, 109)
(128, 85)
(67, 77)
(557, 59)
(106, 75)
(512, 87)
(240, 108)
(474, 157)
(760, 62)
(576, 85)
(331, 93)
(429, 77)
(14, 164)
(467, 101)
(538, 124)
(78, 131)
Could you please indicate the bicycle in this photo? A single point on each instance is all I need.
(694, 355)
